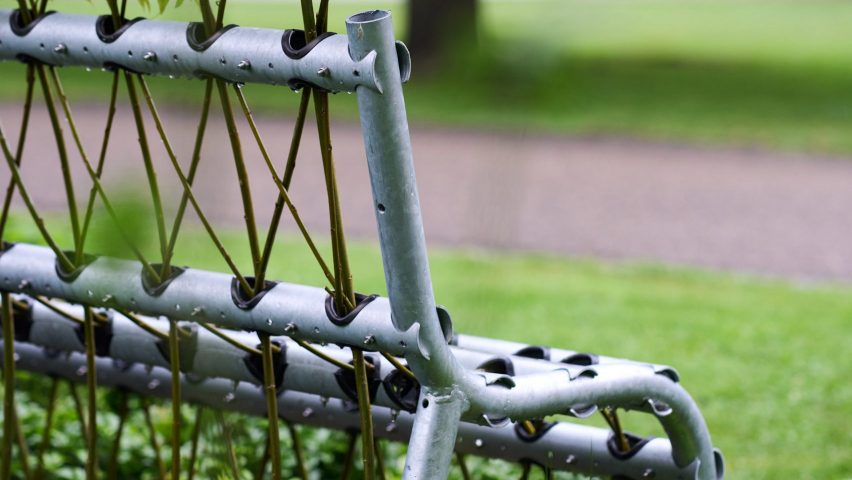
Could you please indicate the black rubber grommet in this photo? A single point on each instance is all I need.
(346, 379)
(541, 428)
(239, 297)
(294, 45)
(151, 286)
(534, 351)
(5, 247)
(254, 364)
(197, 38)
(103, 335)
(188, 342)
(582, 359)
(402, 390)
(16, 22)
(361, 301)
(636, 444)
(23, 320)
(105, 28)
(501, 365)
(67, 276)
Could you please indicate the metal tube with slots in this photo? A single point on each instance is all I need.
(563, 446)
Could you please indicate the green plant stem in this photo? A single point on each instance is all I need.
(289, 168)
(19, 151)
(78, 408)
(460, 460)
(143, 324)
(8, 385)
(362, 388)
(245, 185)
(296, 447)
(63, 154)
(193, 169)
(337, 363)
(398, 365)
(152, 434)
(174, 363)
(90, 203)
(187, 188)
(50, 410)
(219, 333)
(123, 411)
(270, 390)
(282, 192)
(193, 450)
(150, 172)
(380, 463)
(95, 177)
(611, 417)
(25, 196)
(349, 458)
(263, 462)
(23, 449)
(229, 445)
(91, 391)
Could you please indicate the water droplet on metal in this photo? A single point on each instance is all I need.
(478, 443)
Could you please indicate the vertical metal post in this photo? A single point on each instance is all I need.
(433, 436)
(391, 165)
(403, 242)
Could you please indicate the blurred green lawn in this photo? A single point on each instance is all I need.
(766, 360)
(774, 73)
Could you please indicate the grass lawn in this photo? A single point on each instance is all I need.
(774, 73)
(768, 361)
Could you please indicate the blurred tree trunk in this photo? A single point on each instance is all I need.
(437, 25)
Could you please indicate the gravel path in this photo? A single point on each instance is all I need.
(752, 211)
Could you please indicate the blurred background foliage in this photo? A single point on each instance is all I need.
(774, 73)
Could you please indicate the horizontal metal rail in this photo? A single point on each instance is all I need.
(239, 54)
(564, 446)
(199, 295)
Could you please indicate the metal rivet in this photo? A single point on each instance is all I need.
(648, 473)
(290, 328)
(478, 443)
(369, 340)
(195, 311)
(268, 322)
(571, 460)
(244, 65)
(307, 412)
(61, 48)
(150, 57)
(106, 298)
(229, 397)
(324, 72)
(81, 372)
(153, 384)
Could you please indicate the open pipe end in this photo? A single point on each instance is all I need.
(368, 17)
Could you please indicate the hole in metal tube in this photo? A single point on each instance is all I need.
(425, 403)
(381, 208)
